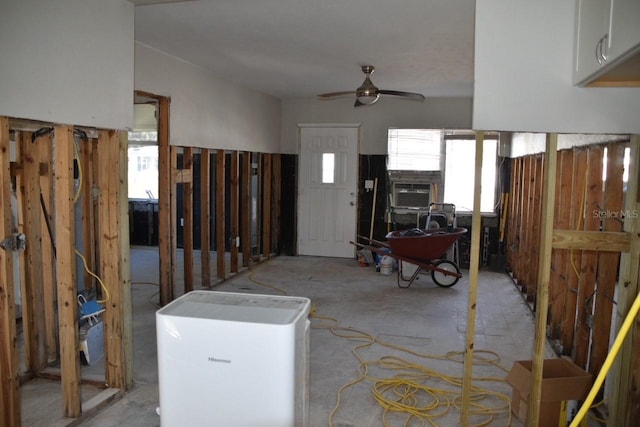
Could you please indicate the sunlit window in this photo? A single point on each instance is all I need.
(143, 171)
(414, 149)
(328, 168)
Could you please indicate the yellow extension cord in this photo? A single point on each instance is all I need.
(608, 362)
(406, 392)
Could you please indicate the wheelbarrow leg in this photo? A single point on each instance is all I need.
(411, 279)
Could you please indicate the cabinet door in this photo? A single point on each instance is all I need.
(591, 42)
(625, 28)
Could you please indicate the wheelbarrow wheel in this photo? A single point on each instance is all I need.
(443, 279)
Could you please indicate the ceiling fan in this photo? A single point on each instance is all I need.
(368, 93)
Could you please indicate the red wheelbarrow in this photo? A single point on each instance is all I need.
(423, 248)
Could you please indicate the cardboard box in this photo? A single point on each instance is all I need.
(562, 381)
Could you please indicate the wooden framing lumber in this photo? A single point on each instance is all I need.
(9, 369)
(109, 248)
(125, 265)
(245, 208)
(544, 266)
(48, 254)
(266, 205)
(164, 204)
(173, 219)
(65, 271)
(187, 211)
(624, 375)
(473, 284)
(588, 273)
(233, 211)
(88, 209)
(220, 216)
(604, 241)
(33, 294)
(607, 262)
(205, 217)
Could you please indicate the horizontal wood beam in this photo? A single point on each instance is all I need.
(605, 241)
(183, 176)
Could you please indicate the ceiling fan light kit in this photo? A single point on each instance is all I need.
(368, 93)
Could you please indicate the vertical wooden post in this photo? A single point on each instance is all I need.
(88, 214)
(205, 216)
(187, 205)
(125, 263)
(233, 211)
(173, 219)
(9, 375)
(65, 271)
(109, 247)
(164, 203)
(245, 209)
(33, 296)
(266, 205)
(544, 266)
(48, 253)
(589, 262)
(473, 283)
(607, 261)
(623, 375)
(220, 218)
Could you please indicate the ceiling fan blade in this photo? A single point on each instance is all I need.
(334, 94)
(411, 95)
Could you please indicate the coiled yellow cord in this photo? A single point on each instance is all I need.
(410, 391)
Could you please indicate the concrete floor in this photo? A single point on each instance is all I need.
(426, 319)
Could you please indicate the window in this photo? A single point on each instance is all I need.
(414, 149)
(328, 167)
(451, 156)
(460, 173)
(143, 171)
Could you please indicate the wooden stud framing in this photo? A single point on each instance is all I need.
(109, 248)
(604, 241)
(65, 271)
(9, 376)
(125, 264)
(245, 208)
(32, 295)
(205, 217)
(164, 204)
(586, 284)
(544, 266)
(473, 284)
(624, 375)
(266, 205)
(574, 259)
(233, 211)
(187, 205)
(88, 209)
(173, 217)
(48, 254)
(607, 262)
(220, 217)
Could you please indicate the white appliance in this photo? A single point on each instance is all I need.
(233, 360)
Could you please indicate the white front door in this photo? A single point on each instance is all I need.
(327, 191)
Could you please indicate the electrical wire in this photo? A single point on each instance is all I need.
(421, 393)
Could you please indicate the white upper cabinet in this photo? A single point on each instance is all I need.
(624, 37)
(592, 37)
(607, 33)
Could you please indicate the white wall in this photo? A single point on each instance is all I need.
(523, 72)
(523, 144)
(67, 61)
(375, 120)
(206, 111)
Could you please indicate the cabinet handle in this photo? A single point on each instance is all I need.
(599, 51)
(604, 50)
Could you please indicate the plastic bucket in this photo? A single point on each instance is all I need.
(386, 265)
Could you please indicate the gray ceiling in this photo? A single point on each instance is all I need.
(300, 48)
